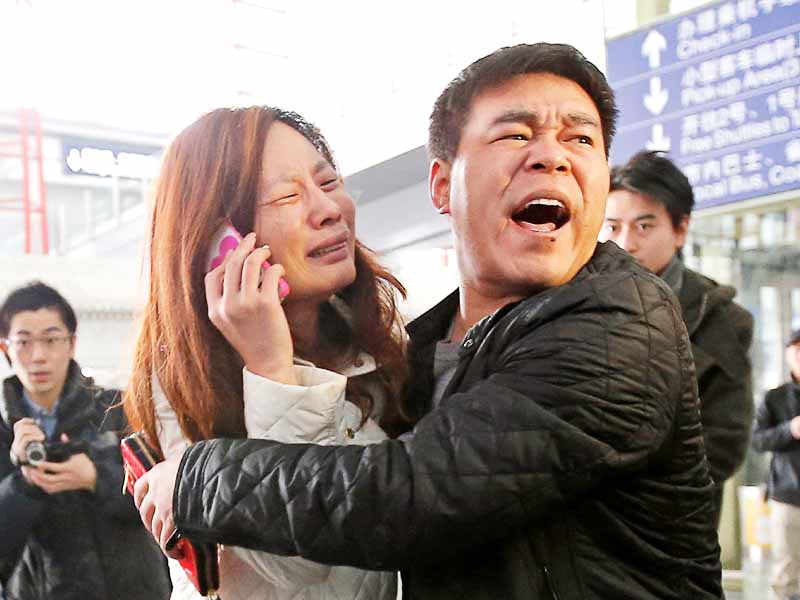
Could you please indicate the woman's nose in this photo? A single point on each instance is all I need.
(325, 210)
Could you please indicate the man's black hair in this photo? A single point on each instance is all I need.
(34, 296)
(794, 338)
(658, 178)
(451, 109)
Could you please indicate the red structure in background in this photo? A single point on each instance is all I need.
(30, 125)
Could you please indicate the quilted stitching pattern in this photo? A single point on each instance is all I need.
(573, 414)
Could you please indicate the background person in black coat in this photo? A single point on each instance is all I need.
(777, 430)
(648, 213)
(66, 530)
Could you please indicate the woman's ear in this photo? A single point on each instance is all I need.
(439, 185)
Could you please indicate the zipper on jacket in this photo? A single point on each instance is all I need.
(549, 582)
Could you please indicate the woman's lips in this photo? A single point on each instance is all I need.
(320, 252)
(331, 254)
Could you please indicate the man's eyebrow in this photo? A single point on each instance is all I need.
(528, 116)
(516, 116)
(645, 217)
(580, 118)
(51, 329)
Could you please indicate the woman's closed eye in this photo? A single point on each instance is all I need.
(283, 198)
(330, 184)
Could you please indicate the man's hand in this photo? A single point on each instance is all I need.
(76, 473)
(152, 494)
(25, 431)
(794, 426)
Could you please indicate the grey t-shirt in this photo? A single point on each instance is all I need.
(445, 361)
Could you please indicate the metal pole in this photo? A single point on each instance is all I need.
(42, 189)
(26, 199)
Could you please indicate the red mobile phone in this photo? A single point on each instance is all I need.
(226, 240)
(199, 561)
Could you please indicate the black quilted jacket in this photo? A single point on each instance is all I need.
(75, 545)
(566, 461)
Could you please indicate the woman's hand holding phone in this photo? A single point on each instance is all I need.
(245, 305)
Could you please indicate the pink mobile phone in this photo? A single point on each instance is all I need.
(226, 240)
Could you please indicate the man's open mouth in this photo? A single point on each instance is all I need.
(542, 214)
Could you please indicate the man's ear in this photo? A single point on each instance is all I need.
(682, 230)
(4, 350)
(439, 185)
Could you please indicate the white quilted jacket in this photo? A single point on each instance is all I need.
(314, 411)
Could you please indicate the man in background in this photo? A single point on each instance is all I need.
(777, 429)
(67, 530)
(648, 212)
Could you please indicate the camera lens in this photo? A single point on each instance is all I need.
(35, 453)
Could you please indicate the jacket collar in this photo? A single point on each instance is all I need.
(698, 296)
(432, 326)
(673, 274)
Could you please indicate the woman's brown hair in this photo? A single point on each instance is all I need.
(211, 173)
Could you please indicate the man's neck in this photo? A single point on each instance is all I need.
(46, 400)
(474, 306)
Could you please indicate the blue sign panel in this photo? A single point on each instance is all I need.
(719, 90)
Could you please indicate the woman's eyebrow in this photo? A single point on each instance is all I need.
(319, 166)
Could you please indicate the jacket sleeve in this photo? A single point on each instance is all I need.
(593, 396)
(289, 413)
(726, 393)
(22, 505)
(311, 411)
(771, 433)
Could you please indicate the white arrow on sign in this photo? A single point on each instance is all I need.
(658, 141)
(657, 99)
(652, 47)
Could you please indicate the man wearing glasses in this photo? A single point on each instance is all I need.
(67, 531)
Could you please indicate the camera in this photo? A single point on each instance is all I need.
(38, 452)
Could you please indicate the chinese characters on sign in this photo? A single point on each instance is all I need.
(719, 90)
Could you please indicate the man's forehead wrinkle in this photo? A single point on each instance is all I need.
(535, 117)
